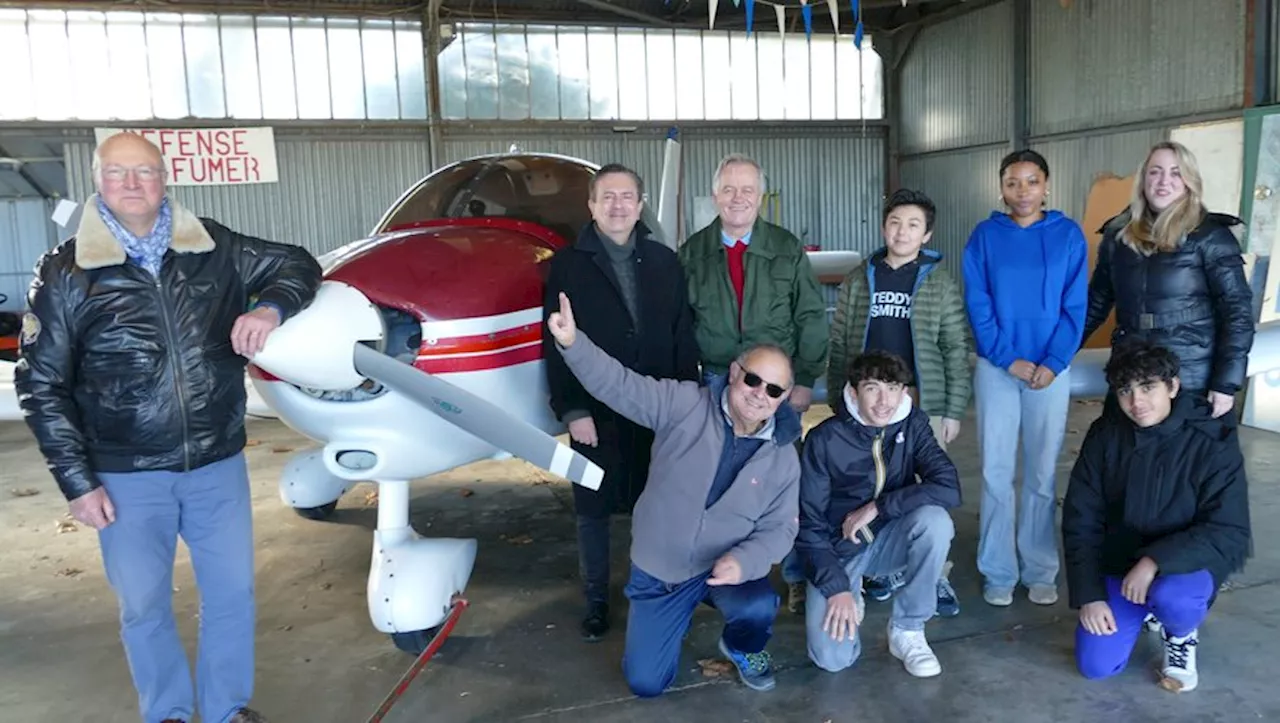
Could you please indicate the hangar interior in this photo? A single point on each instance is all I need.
(365, 97)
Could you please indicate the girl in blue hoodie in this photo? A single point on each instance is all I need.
(1026, 290)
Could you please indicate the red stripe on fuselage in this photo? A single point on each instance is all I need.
(480, 362)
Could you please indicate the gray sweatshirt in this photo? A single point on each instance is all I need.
(674, 536)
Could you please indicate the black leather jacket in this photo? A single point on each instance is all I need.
(121, 372)
(1195, 301)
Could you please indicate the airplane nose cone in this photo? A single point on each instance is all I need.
(316, 348)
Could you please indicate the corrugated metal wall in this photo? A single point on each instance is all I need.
(964, 186)
(957, 82)
(1099, 64)
(334, 185)
(829, 179)
(25, 233)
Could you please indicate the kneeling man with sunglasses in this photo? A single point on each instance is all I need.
(864, 512)
(719, 508)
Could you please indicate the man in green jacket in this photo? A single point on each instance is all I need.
(750, 283)
(901, 302)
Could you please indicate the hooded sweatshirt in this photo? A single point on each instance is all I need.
(1027, 290)
(847, 463)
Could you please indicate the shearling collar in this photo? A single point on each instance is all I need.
(97, 247)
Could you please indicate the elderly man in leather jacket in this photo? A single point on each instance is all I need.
(132, 380)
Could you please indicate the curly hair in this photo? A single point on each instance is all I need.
(1137, 361)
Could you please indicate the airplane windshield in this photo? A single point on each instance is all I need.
(546, 190)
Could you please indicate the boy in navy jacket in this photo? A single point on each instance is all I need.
(863, 512)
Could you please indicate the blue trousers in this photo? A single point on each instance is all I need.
(1027, 551)
(210, 509)
(661, 613)
(1179, 602)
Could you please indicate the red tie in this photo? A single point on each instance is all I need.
(737, 273)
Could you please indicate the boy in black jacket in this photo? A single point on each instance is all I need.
(1155, 518)
(862, 512)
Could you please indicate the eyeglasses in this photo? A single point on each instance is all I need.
(754, 381)
(143, 173)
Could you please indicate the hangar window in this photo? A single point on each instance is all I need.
(65, 65)
(515, 72)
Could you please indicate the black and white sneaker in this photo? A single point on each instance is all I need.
(1178, 674)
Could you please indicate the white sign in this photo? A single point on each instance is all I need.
(211, 156)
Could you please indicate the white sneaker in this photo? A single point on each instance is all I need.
(1043, 594)
(1178, 674)
(998, 596)
(913, 650)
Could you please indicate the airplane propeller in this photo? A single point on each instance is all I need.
(327, 346)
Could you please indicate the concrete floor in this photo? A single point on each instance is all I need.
(516, 654)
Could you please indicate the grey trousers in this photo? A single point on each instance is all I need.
(918, 544)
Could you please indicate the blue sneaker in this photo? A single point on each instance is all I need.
(948, 605)
(882, 588)
(755, 670)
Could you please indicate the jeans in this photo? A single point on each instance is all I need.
(661, 613)
(593, 557)
(917, 543)
(1179, 602)
(210, 508)
(1006, 406)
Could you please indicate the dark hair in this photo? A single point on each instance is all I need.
(910, 197)
(880, 366)
(1137, 360)
(612, 168)
(1025, 155)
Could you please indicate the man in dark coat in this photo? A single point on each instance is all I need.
(630, 296)
(1155, 518)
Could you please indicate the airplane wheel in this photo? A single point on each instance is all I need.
(319, 514)
(415, 642)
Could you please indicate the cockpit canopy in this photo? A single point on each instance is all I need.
(546, 189)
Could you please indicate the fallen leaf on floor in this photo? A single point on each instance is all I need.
(65, 526)
(715, 667)
(25, 492)
(253, 443)
(1171, 685)
(465, 492)
(326, 586)
(68, 572)
(281, 449)
(371, 499)
(520, 540)
(285, 628)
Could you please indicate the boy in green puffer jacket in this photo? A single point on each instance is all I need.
(901, 302)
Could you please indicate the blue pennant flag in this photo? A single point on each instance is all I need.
(807, 12)
(751, 15)
(857, 30)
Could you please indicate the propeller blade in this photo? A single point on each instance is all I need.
(479, 417)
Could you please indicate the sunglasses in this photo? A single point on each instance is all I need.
(754, 381)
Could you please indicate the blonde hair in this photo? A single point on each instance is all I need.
(1147, 232)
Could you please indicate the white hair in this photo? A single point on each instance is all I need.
(732, 159)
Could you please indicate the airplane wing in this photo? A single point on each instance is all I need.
(479, 417)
